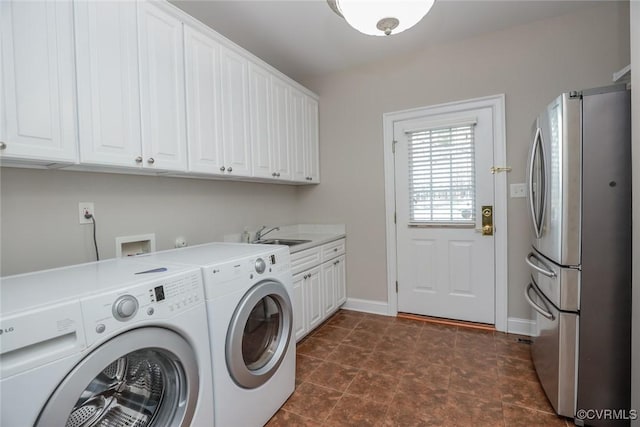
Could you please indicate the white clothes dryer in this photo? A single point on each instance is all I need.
(248, 289)
(112, 343)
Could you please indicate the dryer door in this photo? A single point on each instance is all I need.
(259, 334)
(144, 377)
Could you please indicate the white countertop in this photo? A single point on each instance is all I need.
(318, 234)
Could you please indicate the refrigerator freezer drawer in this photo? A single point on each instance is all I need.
(560, 285)
(554, 352)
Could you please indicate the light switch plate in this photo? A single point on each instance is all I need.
(517, 190)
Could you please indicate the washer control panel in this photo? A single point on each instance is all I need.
(154, 300)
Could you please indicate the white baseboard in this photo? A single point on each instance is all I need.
(520, 326)
(514, 324)
(366, 306)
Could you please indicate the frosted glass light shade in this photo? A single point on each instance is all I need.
(365, 15)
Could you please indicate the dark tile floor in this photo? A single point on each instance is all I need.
(360, 369)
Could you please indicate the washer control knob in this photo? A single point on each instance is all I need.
(125, 307)
(260, 266)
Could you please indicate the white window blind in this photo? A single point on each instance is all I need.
(442, 175)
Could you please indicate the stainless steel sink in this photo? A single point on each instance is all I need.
(288, 242)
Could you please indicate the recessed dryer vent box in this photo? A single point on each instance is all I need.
(135, 245)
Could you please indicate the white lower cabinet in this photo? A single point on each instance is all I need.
(319, 285)
(333, 284)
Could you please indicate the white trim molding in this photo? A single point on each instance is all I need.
(521, 326)
(366, 306)
(497, 105)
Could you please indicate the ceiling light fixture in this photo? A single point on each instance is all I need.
(380, 17)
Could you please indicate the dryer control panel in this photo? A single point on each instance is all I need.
(142, 302)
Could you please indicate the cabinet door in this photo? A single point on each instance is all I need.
(204, 113)
(235, 113)
(297, 135)
(280, 151)
(312, 166)
(162, 88)
(260, 120)
(329, 287)
(341, 281)
(313, 284)
(299, 306)
(108, 90)
(37, 87)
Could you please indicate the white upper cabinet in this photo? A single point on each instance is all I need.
(37, 87)
(204, 114)
(269, 118)
(162, 84)
(297, 108)
(140, 85)
(235, 113)
(303, 131)
(260, 121)
(280, 119)
(108, 88)
(312, 161)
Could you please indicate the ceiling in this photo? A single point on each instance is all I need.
(305, 38)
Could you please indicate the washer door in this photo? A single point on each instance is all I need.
(259, 334)
(144, 377)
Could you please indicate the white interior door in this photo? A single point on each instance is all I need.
(445, 265)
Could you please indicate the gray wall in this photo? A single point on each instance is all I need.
(635, 112)
(40, 226)
(530, 64)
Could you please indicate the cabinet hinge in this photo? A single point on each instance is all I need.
(396, 286)
(393, 146)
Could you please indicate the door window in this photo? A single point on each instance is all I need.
(259, 334)
(143, 377)
(131, 391)
(442, 175)
(261, 331)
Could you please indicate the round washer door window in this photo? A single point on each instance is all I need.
(144, 377)
(259, 334)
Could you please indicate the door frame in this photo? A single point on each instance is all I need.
(497, 104)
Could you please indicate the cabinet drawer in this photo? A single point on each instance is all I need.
(333, 249)
(305, 260)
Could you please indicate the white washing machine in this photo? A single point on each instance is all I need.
(113, 343)
(248, 289)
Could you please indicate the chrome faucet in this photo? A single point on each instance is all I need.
(260, 234)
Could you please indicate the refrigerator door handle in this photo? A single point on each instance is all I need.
(543, 311)
(537, 220)
(546, 271)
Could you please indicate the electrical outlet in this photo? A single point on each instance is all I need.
(85, 208)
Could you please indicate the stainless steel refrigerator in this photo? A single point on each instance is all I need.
(579, 197)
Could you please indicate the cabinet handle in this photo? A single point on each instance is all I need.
(151, 160)
(336, 262)
(273, 174)
(139, 159)
(278, 174)
(222, 168)
(229, 169)
(3, 145)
